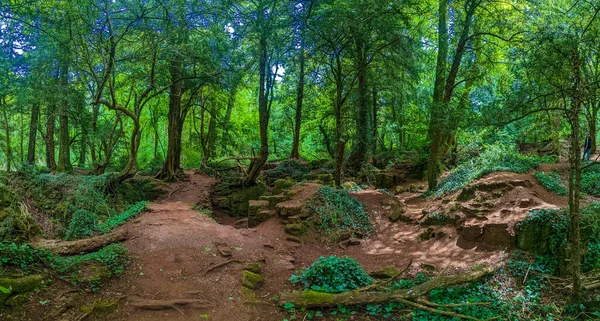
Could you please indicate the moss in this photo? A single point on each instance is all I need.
(100, 306)
(253, 267)
(237, 201)
(19, 286)
(310, 296)
(385, 272)
(295, 229)
(249, 295)
(283, 184)
(251, 280)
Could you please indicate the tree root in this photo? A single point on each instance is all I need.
(309, 299)
(175, 304)
(218, 265)
(381, 284)
(85, 245)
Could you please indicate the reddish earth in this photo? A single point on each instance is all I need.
(173, 245)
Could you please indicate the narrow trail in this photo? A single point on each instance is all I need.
(171, 247)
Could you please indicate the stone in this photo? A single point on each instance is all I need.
(254, 207)
(295, 229)
(525, 202)
(19, 285)
(348, 185)
(497, 234)
(253, 267)
(385, 272)
(251, 280)
(397, 213)
(242, 223)
(400, 189)
(283, 184)
(294, 239)
(471, 233)
(273, 199)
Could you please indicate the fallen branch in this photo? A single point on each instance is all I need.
(309, 298)
(381, 284)
(175, 304)
(218, 265)
(426, 308)
(79, 246)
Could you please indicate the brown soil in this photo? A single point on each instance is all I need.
(172, 246)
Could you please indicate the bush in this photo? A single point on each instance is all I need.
(118, 220)
(82, 225)
(552, 182)
(495, 158)
(338, 213)
(590, 181)
(288, 168)
(333, 275)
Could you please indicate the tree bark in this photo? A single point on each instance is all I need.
(84, 245)
(64, 153)
(7, 141)
(299, 100)
(50, 128)
(575, 181)
(171, 170)
(375, 133)
(363, 133)
(263, 114)
(33, 124)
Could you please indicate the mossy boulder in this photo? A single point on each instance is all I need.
(237, 200)
(283, 184)
(295, 229)
(251, 280)
(253, 267)
(19, 286)
(385, 272)
(533, 238)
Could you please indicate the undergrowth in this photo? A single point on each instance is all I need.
(105, 263)
(333, 275)
(82, 225)
(590, 181)
(115, 221)
(288, 168)
(495, 158)
(337, 213)
(552, 182)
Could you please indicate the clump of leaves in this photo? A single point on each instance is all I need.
(333, 275)
(552, 182)
(337, 213)
(118, 220)
(82, 225)
(590, 181)
(495, 158)
(288, 168)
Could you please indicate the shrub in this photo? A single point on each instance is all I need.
(333, 275)
(82, 224)
(288, 168)
(495, 158)
(113, 222)
(590, 181)
(552, 182)
(338, 213)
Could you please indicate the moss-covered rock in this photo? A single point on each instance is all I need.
(295, 229)
(283, 184)
(253, 267)
(19, 286)
(237, 200)
(385, 272)
(251, 280)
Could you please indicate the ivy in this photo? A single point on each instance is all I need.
(552, 182)
(333, 275)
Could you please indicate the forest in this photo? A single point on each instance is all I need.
(299, 160)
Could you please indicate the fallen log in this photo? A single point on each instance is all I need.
(84, 245)
(309, 298)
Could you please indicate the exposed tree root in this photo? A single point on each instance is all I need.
(85, 245)
(308, 298)
(175, 304)
(218, 265)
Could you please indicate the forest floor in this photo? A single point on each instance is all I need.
(173, 245)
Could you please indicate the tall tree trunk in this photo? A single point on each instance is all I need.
(64, 153)
(299, 100)
(263, 114)
(575, 181)
(50, 145)
(375, 133)
(134, 145)
(83, 145)
(226, 139)
(363, 133)
(171, 169)
(7, 141)
(437, 108)
(33, 124)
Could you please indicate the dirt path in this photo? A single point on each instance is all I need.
(171, 247)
